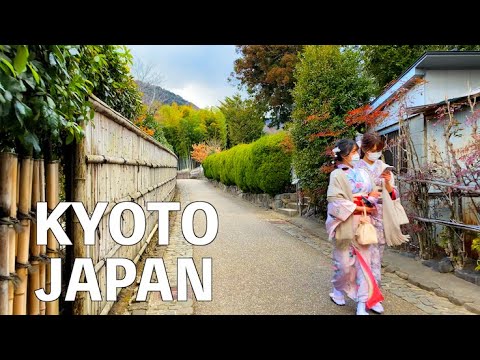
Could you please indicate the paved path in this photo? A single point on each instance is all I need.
(264, 265)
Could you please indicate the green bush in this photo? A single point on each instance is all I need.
(44, 92)
(262, 166)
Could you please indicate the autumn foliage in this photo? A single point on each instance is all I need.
(147, 123)
(140, 123)
(329, 83)
(267, 71)
(201, 151)
(365, 115)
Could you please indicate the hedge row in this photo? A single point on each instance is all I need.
(261, 166)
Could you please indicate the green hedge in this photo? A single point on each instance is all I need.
(260, 167)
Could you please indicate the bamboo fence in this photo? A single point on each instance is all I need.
(117, 162)
(114, 162)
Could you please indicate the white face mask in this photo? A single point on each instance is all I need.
(355, 158)
(374, 156)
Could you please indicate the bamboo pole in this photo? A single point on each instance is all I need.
(4, 273)
(20, 299)
(12, 234)
(19, 168)
(52, 194)
(33, 303)
(6, 197)
(79, 194)
(43, 248)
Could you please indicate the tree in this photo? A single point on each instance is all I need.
(184, 126)
(201, 151)
(147, 77)
(330, 82)
(267, 72)
(386, 62)
(146, 73)
(244, 120)
(147, 123)
(215, 126)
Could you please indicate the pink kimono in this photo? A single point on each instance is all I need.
(352, 276)
(376, 256)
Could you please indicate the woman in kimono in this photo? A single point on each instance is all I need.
(352, 274)
(372, 145)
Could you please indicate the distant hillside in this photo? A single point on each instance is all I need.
(161, 95)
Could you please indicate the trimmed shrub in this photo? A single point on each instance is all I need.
(260, 167)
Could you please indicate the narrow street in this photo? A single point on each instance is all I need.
(260, 267)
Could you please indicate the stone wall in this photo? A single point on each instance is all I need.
(264, 200)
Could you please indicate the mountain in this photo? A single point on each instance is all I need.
(161, 95)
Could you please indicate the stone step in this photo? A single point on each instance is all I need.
(294, 205)
(288, 212)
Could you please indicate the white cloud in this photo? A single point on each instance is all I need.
(204, 95)
(198, 73)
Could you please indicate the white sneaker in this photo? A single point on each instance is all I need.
(361, 310)
(337, 297)
(378, 308)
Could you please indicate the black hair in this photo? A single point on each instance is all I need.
(345, 146)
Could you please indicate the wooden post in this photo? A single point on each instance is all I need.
(52, 307)
(24, 204)
(43, 248)
(33, 303)
(79, 194)
(6, 200)
(12, 234)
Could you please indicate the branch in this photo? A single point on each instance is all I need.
(467, 189)
(475, 228)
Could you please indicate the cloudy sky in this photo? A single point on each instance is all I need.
(198, 73)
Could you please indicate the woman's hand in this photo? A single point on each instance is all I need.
(369, 210)
(387, 176)
(375, 194)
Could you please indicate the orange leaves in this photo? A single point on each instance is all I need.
(365, 115)
(146, 130)
(287, 144)
(140, 123)
(327, 133)
(321, 117)
(201, 151)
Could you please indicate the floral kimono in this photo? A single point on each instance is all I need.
(352, 273)
(374, 171)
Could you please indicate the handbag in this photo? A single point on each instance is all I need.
(366, 233)
(400, 213)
